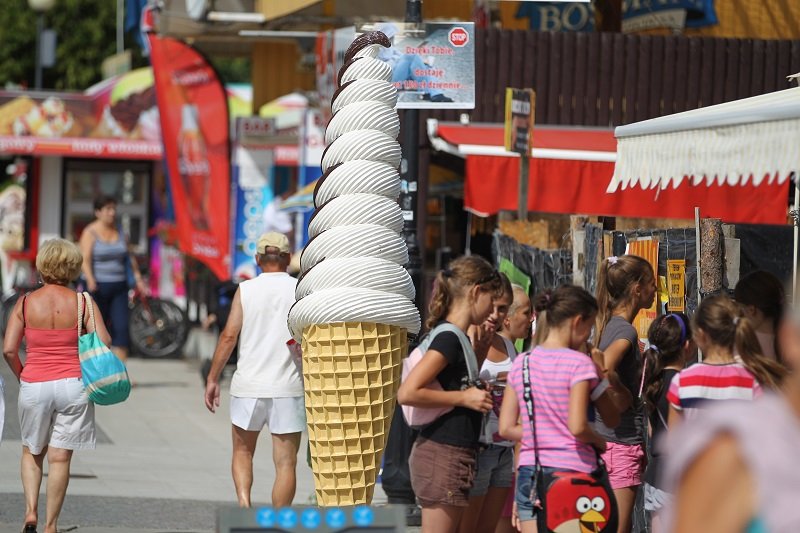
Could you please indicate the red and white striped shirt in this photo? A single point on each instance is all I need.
(700, 383)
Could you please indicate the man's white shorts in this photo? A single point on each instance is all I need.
(280, 415)
(56, 413)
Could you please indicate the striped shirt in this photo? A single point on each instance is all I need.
(704, 382)
(553, 372)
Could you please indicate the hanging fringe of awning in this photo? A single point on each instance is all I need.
(726, 154)
(756, 138)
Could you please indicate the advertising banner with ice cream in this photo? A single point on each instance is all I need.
(194, 122)
(433, 64)
(116, 119)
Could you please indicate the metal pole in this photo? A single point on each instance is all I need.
(413, 199)
(522, 187)
(39, 30)
(698, 266)
(120, 26)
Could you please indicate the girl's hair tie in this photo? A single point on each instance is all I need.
(612, 260)
(655, 349)
(447, 273)
(736, 321)
(682, 324)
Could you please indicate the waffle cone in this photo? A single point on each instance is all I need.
(351, 372)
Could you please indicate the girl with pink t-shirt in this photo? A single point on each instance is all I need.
(562, 380)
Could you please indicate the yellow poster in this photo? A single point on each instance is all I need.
(520, 113)
(646, 248)
(676, 281)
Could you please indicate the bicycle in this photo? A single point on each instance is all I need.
(158, 328)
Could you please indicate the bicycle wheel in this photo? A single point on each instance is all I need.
(158, 328)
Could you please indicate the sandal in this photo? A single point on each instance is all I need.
(29, 528)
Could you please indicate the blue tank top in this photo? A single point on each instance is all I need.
(108, 260)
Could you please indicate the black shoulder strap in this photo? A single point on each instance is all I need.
(528, 397)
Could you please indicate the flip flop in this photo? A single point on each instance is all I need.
(29, 528)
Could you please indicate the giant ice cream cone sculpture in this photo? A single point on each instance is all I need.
(354, 306)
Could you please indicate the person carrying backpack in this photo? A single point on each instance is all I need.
(442, 460)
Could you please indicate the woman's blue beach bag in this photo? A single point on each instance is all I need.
(104, 374)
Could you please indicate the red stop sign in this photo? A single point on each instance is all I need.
(458, 37)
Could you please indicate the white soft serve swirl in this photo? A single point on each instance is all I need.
(352, 268)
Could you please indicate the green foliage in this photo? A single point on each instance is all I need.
(232, 69)
(85, 36)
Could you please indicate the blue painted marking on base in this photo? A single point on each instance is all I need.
(265, 517)
(287, 518)
(335, 518)
(311, 519)
(363, 516)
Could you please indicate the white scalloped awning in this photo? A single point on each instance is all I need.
(731, 143)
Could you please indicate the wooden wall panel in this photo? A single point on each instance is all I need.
(609, 79)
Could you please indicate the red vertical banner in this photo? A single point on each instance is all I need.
(195, 131)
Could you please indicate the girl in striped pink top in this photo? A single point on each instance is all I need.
(562, 379)
(733, 367)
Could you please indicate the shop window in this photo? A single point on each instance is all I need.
(127, 181)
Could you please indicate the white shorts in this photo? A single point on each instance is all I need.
(280, 415)
(56, 413)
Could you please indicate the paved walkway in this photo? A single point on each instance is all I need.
(162, 461)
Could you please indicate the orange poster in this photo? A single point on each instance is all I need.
(647, 248)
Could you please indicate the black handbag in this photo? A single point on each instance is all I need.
(569, 501)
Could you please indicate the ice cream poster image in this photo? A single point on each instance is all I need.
(354, 306)
(432, 64)
(194, 121)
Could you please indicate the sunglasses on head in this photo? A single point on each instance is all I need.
(491, 277)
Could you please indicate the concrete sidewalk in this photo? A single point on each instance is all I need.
(160, 453)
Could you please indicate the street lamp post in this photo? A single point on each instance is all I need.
(413, 195)
(40, 7)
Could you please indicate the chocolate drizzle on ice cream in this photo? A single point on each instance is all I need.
(352, 267)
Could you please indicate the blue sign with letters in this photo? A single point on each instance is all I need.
(636, 15)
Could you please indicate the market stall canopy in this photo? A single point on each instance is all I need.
(570, 170)
(491, 171)
(750, 141)
(114, 119)
(288, 113)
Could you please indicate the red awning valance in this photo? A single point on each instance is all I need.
(572, 187)
(569, 173)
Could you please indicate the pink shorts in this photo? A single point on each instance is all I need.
(625, 463)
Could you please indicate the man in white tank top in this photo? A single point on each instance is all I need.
(267, 387)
